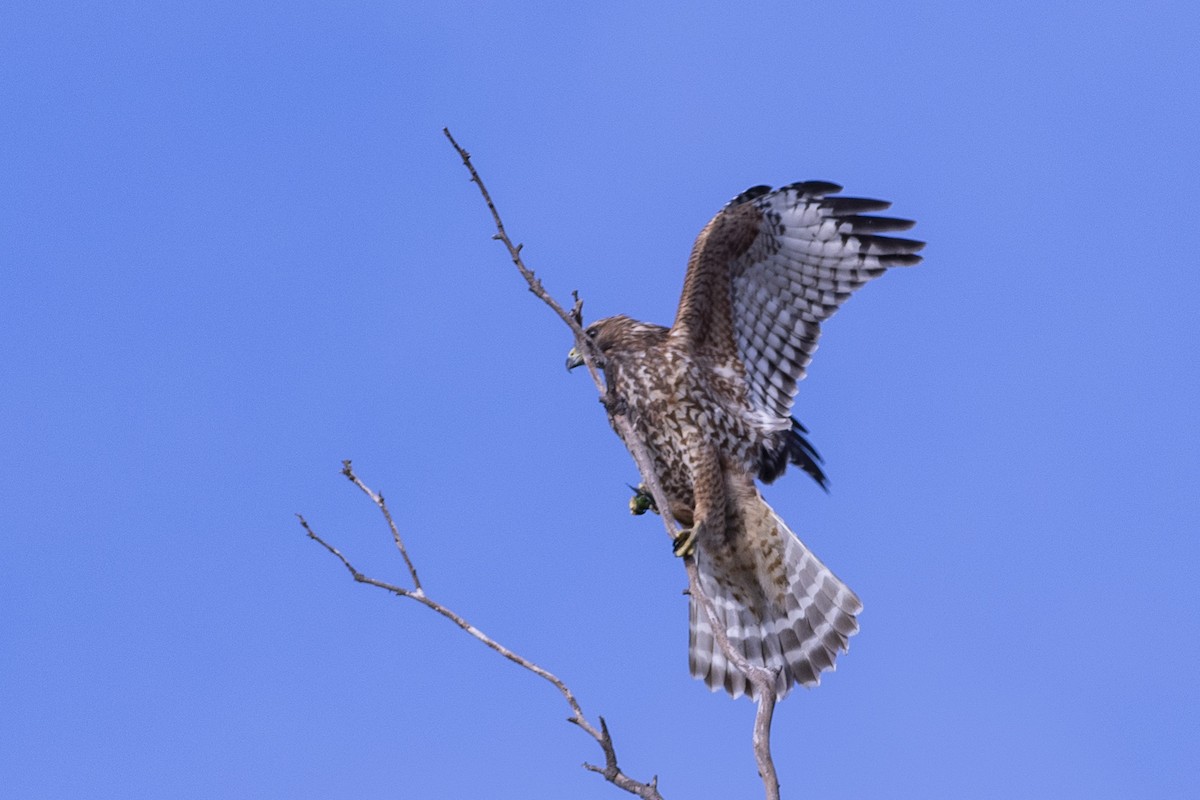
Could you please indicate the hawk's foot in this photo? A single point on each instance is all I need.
(642, 501)
(685, 543)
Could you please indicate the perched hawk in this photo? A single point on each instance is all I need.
(711, 397)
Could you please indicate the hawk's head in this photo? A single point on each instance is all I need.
(617, 335)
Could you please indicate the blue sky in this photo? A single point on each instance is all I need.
(236, 250)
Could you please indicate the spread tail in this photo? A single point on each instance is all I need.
(780, 606)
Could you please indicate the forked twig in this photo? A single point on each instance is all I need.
(378, 500)
(761, 678)
(611, 771)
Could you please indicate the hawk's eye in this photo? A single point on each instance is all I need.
(591, 332)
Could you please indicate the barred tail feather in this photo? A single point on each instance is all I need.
(797, 627)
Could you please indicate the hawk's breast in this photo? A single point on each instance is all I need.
(676, 402)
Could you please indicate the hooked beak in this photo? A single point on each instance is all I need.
(574, 359)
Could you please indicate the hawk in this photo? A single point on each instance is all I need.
(711, 397)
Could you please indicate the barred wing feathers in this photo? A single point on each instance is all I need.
(771, 267)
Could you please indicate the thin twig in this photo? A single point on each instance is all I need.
(378, 500)
(571, 318)
(761, 679)
(611, 771)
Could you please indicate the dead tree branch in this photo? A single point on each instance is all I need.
(761, 678)
(611, 770)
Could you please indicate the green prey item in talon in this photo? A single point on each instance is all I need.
(642, 501)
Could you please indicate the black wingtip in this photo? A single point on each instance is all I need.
(847, 206)
(791, 447)
(802, 453)
(865, 224)
(815, 188)
(753, 193)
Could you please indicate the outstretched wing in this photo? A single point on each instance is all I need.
(771, 267)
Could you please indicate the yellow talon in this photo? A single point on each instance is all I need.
(685, 543)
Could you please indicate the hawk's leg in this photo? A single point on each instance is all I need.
(708, 491)
(684, 544)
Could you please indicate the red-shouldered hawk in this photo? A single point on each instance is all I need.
(711, 397)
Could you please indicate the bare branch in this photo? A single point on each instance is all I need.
(378, 501)
(611, 771)
(573, 318)
(761, 678)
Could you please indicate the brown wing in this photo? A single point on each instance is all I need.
(771, 267)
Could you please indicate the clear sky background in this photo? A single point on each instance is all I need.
(235, 249)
